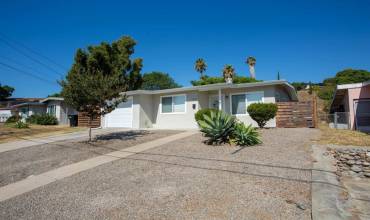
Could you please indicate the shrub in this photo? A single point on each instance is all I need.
(21, 125)
(206, 80)
(218, 126)
(44, 119)
(13, 119)
(262, 112)
(32, 119)
(206, 111)
(245, 135)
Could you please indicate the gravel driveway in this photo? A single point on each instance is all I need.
(185, 180)
(19, 164)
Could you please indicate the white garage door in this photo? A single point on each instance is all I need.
(121, 117)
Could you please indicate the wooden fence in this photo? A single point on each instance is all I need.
(83, 121)
(296, 114)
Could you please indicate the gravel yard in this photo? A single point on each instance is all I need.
(185, 179)
(19, 164)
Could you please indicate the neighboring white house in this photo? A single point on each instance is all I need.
(175, 108)
(5, 113)
(51, 105)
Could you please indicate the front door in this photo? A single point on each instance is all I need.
(213, 102)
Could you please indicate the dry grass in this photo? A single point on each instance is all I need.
(13, 134)
(343, 137)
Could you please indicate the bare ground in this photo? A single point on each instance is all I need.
(19, 164)
(185, 179)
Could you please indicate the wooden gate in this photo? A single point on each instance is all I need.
(296, 114)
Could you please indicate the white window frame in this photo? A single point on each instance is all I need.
(172, 113)
(246, 100)
(48, 109)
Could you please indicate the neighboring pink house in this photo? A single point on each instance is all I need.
(354, 99)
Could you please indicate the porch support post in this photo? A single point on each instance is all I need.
(219, 100)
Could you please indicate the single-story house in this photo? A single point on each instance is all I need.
(6, 109)
(353, 99)
(5, 113)
(51, 105)
(175, 108)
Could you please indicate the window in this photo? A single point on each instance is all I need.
(240, 102)
(51, 110)
(173, 104)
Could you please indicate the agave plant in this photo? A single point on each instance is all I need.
(245, 135)
(218, 126)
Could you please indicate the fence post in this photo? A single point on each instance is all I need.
(314, 115)
(335, 120)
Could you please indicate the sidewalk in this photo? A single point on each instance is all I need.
(14, 145)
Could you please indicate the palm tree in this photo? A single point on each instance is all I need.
(200, 66)
(228, 73)
(251, 61)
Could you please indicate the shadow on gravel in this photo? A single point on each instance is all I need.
(123, 135)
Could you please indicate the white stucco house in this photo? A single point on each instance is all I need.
(51, 105)
(175, 108)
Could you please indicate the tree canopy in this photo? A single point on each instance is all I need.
(212, 80)
(56, 94)
(98, 76)
(5, 91)
(200, 66)
(348, 76)
(158, 80)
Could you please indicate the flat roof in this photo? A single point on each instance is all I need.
(218, 86)
(353, 85)
(27, 103)
(52, 99)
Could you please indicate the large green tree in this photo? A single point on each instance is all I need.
(5, 91)
(99, 75)
(158, 80)
(348, 76)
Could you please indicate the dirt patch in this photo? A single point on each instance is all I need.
(343, 137)
(8, 134)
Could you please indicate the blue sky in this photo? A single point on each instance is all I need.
(304, 40)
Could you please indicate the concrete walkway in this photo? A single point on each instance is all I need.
(328, 194)
(31, 183)
(14, 145)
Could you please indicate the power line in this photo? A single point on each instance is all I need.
(35, 52)
(30, 57)
(28, 73)
(18, 63)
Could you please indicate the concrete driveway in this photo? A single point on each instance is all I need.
(181, 179)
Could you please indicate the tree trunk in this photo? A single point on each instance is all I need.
(251, 70)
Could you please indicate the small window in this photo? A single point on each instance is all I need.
(173, 104)
(51, 110)
(240, 102)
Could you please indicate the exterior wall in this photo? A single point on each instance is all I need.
(32, 110)
(65, 111)
(142, 111)
(200, 100)
(176, 120)
(136, 111)
(269, 97)
(355, 94)
(281, 95)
